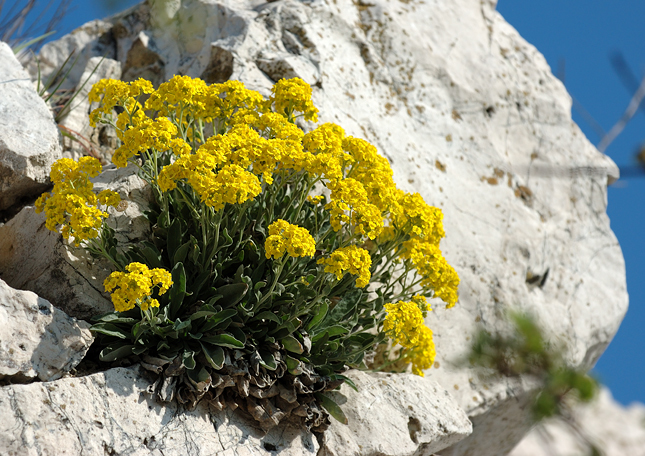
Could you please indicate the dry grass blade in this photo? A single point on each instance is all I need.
(16, 26)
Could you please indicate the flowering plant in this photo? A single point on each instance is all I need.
(276, 258)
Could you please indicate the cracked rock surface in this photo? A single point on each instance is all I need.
(37, 340)
(108, 413)
(29, 141)
(394, 415)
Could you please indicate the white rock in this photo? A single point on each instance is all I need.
(616, 430)
(108, 413)
(36, 339)
(471, 117)
(88, 140)
(36, 259)
(394, 414)
(29, 141)
(77, 48)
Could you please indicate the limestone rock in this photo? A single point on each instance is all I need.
(109, 413)
(36, 259)
(469, 116)
(93, 39)
(616, 430)
(99, 142)
(29, 141)
(394, 414)
(36, 339)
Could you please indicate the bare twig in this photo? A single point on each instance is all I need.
(618, 127)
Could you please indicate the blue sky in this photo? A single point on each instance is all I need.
(582, 34)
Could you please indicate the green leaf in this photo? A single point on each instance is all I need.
(232, 293)
(223, 340)
(26, 44)
(115, 351)
(347, 380)
(331, 332)
(266, 315)
(293, 365)
(238, 334)
(182, 252)
(228, 239)
(332, 407)
(188, 359)
(320, 314)
(152, 256)
(195, 251)
(214, 356)
(203, 313)
(173, 239)
(179, 325)
(292, 344)
(178, 289)
(198, 375)
(218, 321)
(268, 361)
(139, 350)
(110, 330)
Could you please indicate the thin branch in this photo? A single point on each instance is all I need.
(633, 106)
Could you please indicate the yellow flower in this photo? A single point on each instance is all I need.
(416, 218)
(352, 259)
(109, 198)
(72, 203)
(349, 205)
(403, 322)
(136, 285)
(293, 239)
(422, 355)
(435, 271)
(373, 171)
(404, 325)
(112, 92)
(315, 199)
(294, 95)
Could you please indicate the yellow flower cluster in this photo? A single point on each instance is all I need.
(285, 237)
(422, 355)
(218, 171)
(256, 140)
(143, 134)
(352, 259)
(435, 271)
(405, 326)
(112, 92)
(416, 217)
(403, 322)
(349, 205)
(72, 202)
(291, 95)
(184, 96)
(136, 285)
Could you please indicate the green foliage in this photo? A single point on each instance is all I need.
(526, 353)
